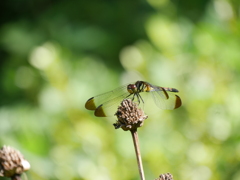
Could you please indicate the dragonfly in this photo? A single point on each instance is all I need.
(104, 104)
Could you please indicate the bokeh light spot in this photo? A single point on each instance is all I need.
(51, 100)
(131, 57)
(43, 56)
(24, 77)
(198, 152)
(223, 9)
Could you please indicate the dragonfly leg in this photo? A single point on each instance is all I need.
(129, 95)
(140, 97)
(137, 97)
(133, 97)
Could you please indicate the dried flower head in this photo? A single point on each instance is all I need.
(12, 162)
(129, 115)
(166, 176)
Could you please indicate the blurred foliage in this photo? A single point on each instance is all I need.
(57, 54)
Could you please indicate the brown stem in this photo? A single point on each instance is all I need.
(138, 154)
(16, 177)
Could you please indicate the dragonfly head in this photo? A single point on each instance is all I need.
(132, 88)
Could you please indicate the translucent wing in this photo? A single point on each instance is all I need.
(172, 102)
(109, 108)
(165, 98)
(106, 104)
(96, 101)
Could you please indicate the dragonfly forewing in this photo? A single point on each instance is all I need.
(96, 101)
(106, 104)
(110, 107)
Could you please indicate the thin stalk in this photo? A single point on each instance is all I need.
(138, 154)
(16, 177)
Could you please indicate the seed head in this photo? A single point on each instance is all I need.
(130, 116)
(12, 162)
(166, 176)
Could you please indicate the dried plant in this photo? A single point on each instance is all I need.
(12, 163)
(130, 117)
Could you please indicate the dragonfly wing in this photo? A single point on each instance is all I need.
(172, 101)
(109, 108)
(96, 101)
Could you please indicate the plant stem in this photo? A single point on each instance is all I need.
(16, 177)
(138, 154)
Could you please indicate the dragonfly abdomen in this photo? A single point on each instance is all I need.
(170, 89)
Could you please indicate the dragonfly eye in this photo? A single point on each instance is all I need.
(131, 88)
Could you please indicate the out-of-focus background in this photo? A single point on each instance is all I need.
(57, 54)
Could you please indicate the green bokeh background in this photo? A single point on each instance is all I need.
(57, 54)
